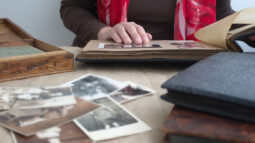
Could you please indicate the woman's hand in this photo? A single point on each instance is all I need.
(125, 32)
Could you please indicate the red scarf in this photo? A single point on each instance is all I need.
(190, 15)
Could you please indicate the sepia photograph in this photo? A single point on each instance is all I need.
(185, 44)
(30, 121)
(110, 121)
(92, 86)
(67, 133)
(32, 97)
(124, 46)
(131, 92)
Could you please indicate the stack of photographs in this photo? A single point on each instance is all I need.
(28, 122)
(68, 133)
(111, 120)
(97, 114)
(29, 110)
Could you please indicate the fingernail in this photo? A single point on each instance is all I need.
(127, 42)
(146, 40)
(139, 40)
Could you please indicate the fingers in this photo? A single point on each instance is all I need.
(120, 29)
(143, 34)
(132, 31)
(149, 36)
(116, 37)
(126, 32)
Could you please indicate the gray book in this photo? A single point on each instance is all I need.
(222, 84)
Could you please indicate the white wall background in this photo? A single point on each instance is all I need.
(241, 4)
(41, 18)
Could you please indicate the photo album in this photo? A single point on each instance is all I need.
(97, 50)
(229, 34)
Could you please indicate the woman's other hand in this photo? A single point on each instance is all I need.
(125, 32)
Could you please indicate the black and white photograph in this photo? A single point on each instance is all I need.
(92, 86)
(30, 121)
(67, 133)
(131, 92)
(110, 121)
(33, 97)
(185, 44)
(124, 46)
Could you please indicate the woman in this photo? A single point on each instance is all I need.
(152, 18)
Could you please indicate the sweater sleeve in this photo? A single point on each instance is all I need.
(223, 9)
(80, 16)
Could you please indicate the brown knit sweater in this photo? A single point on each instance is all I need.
(156, 16)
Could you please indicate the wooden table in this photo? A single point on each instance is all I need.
(152, 110)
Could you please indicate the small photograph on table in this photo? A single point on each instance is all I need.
(30, 121)
(130, 92)
(110, 121)
(185, 44)
(124, 46)
(67, 133)
(92, 86)
(32, 97)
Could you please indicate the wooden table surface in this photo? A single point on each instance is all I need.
(152, 110)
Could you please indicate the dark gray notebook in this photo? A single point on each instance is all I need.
(223, 84)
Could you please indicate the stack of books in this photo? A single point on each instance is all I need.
(214, 101)
(189, 126)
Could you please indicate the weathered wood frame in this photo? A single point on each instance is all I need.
(54, 60)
